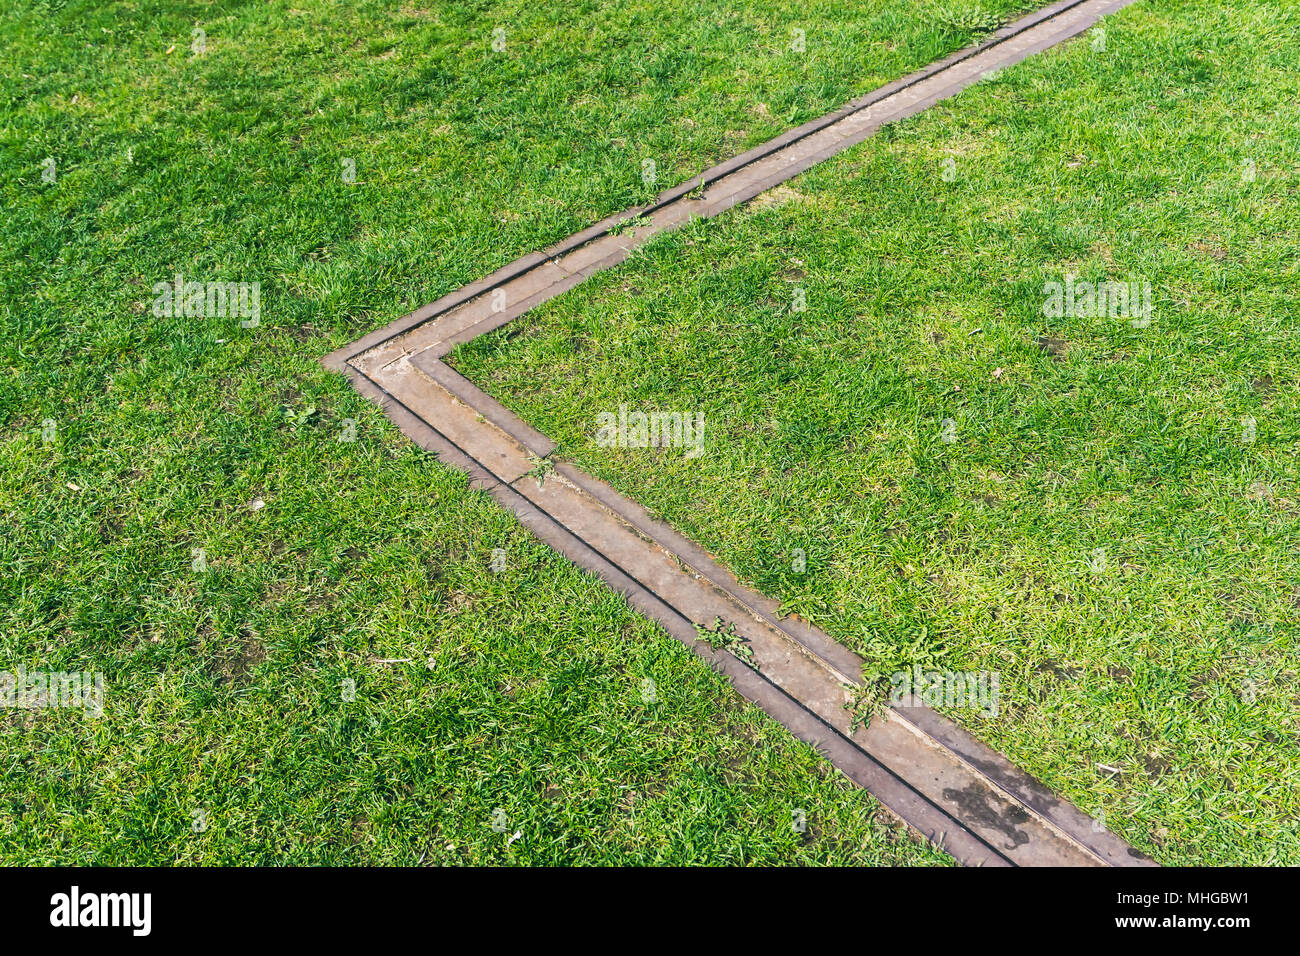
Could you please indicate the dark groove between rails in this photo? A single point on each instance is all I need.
(530, 261)
(988, 763)
(804, 723)
(729, 664)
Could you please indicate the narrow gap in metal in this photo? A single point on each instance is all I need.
(668, 610)
(779, 143)
(952, 747)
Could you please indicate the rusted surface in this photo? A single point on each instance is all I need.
(945, 784)
(513, 289)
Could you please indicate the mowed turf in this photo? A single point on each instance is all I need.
(184, 510)
(1101, 510)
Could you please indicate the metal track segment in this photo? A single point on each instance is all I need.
(928, 771)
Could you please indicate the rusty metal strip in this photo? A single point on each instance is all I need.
(1067, 19)
(929, 772)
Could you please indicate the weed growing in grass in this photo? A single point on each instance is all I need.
(724, 637)
(866, 701)
(541, 468)
(630, 224)
(970, 20)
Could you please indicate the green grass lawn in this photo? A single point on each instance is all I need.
(1102, 510)
(132, 445)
